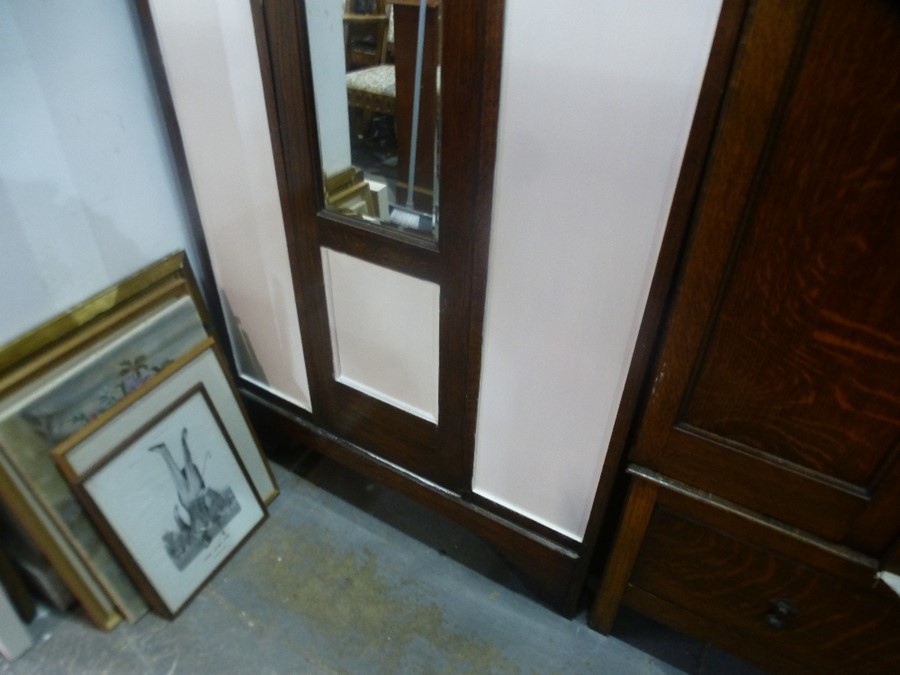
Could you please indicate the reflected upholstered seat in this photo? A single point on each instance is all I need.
(373, 89)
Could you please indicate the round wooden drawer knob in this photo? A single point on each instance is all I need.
(780, 612)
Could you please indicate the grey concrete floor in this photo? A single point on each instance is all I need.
(346, 577)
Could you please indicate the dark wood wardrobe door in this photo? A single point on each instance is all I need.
(778, 381)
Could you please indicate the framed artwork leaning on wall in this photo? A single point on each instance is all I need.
(161, 475)
(62, 377)
(56, 379)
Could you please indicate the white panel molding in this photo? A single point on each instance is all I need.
(384, 333)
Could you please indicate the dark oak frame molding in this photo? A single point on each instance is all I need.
(806, 488)
(470, 78)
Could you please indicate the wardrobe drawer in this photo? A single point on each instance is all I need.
(763, 588)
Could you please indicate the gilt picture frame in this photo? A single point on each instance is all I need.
(75, 371)
(162, 476)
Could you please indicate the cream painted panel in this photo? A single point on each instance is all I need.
(384, 332)
(211, 63)
(596, 106)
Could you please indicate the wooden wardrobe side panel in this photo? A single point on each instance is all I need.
(777, 382)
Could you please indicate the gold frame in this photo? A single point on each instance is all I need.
(172, 268)
(60, 554)
(28, 489)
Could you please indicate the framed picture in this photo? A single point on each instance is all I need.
(62, 376)
(162, 476)
(52, 405)
(53, 381)
(60, 553)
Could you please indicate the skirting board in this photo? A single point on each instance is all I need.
(552, 569)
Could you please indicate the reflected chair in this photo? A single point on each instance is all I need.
(370, 90)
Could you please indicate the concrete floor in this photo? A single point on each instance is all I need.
(346, 577)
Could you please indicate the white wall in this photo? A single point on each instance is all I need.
(325, 23)
(597, 99)
(88, 194)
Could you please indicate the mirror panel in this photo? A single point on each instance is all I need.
(376, 81)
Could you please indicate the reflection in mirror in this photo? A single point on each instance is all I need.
(376, 78)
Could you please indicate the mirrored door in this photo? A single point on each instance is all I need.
(384, 122)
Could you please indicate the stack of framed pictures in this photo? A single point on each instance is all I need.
(160, 477)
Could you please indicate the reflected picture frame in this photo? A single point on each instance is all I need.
(161, 474)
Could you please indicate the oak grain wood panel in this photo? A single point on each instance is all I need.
(776, 537)
(837, 627)
(777, 382)
(809, 326)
